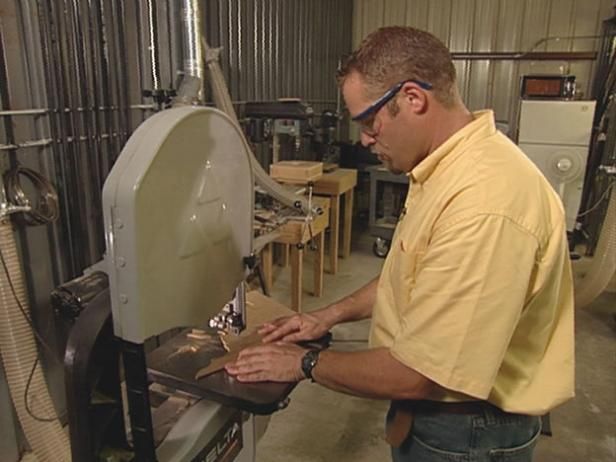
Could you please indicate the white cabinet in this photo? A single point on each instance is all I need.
(556, 135)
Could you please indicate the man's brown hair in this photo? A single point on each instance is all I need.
(392, 54)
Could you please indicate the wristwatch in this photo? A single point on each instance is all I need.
(309, 361)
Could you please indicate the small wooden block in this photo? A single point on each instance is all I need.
(296, 171)
(336, 182)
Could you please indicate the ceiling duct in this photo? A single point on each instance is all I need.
(190, 90)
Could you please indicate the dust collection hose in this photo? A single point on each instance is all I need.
(222, 100)
(28, 457)
(603, 264)
(18, 349)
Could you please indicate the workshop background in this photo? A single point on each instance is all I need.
(76, 79)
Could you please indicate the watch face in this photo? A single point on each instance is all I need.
(308, 362)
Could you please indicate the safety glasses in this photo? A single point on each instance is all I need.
(371, 110)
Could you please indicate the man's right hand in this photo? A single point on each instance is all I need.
(306, 327)
(296, 328)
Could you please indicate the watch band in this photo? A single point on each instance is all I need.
(309, 361)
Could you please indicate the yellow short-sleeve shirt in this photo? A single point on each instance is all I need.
(476, 292)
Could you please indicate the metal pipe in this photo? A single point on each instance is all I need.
(139, 48)
(26, 144)
(36, 79)
(527, 56)
(153, 43)
(191, 88)
(24, 112)
(175, 42)
(89, 208)
(145, 107)
(95, 83)
(50, 50)
(193, 59)
(69, 139)
(5, 100)
(110, 69)
(122, 80)
(72, 72)
(106, 87)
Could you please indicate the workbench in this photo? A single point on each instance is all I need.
(296, 235)
(334, 185)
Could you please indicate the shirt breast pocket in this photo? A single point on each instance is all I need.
(404, 269)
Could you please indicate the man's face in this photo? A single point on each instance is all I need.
(385, 134)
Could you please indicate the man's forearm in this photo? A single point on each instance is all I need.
(370, 374)
(354, 307)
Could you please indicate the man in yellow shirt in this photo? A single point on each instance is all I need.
(472, 315)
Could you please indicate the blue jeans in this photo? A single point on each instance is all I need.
(489, 436)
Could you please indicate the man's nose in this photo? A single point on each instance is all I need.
(366, 139)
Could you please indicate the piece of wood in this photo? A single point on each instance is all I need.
(293, 233)
(296, 171)
(259, 310)
(318, 265)
(284, 253)
(336, 183)
(298, 232)
(347, 224)
(297, 269)
(267, 266)
(219, 363)
(334, 227)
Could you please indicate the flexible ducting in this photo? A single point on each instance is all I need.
(28, 457)
(18, 349)
(191, 86)
(603, 264)
(222, 99)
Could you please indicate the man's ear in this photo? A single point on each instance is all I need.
(415, 97)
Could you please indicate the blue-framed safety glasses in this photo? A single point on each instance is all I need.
(389, 94)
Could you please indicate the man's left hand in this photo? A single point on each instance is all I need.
(274, 362)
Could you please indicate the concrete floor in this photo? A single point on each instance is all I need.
(322, 425)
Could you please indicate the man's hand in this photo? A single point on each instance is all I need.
(279, 362)
(305, 327)
(296, 328)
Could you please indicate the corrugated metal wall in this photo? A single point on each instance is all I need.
(280, 48)
(84, 64)
(271, 48)
(495, 25)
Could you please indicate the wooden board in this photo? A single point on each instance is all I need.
(176, 363)
(296, 171)
(336, 182)
(297, 232)
(259, 310)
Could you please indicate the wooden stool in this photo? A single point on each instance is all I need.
(335, 184)
(296, 234)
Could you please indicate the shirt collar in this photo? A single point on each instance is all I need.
(482, 127)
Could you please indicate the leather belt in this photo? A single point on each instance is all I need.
(441, 407)
(401, 415)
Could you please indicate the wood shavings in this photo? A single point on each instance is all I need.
(198, 334)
